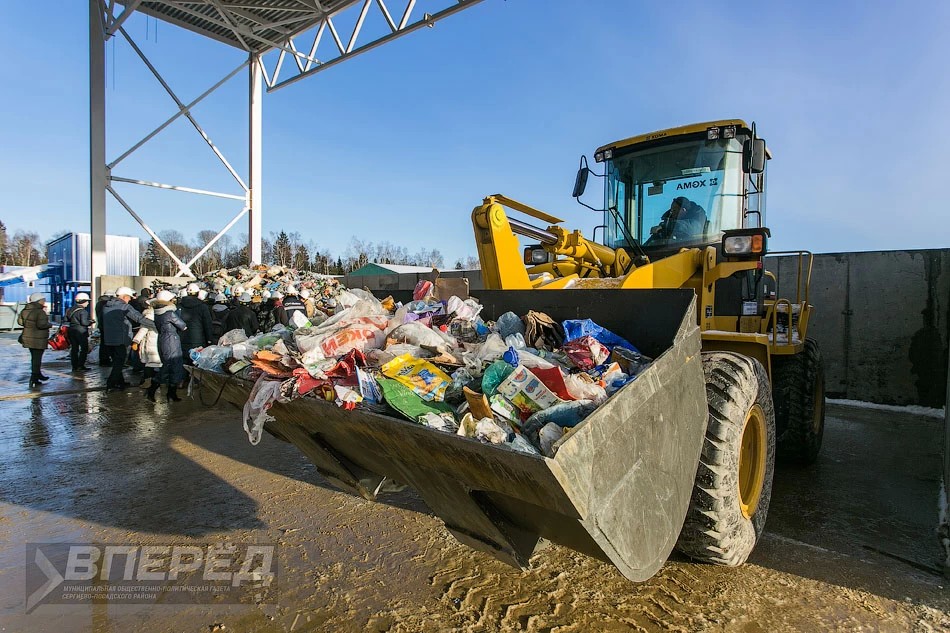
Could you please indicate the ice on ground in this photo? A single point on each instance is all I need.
(912, 409)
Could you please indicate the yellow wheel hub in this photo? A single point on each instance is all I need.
(752, 461)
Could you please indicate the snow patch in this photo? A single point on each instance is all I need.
(912, 409)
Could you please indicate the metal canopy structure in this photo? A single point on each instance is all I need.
(300, 37)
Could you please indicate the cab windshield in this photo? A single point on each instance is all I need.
(675, 195)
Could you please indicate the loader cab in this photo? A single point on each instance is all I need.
(682, 187)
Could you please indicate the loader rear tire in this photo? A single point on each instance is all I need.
(730, 500)
(798, 389)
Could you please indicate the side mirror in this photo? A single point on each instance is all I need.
(580, 182)
(753, 156)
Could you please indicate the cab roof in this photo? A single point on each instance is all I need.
(676, 131)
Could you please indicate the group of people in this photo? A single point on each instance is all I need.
(156, 333)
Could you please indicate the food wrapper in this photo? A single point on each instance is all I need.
(425, 379)
(526, 391)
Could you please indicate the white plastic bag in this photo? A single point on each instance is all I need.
(263, 396)
(233, 336)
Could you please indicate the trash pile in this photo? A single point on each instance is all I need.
(263, 282)
(522, 382)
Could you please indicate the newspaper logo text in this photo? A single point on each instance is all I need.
(168, 562)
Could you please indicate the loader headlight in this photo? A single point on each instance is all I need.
(606, 154)
(745, 242)
(712, 133)
(534, 255)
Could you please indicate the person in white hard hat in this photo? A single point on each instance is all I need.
(117, 319)
(197, 316)
(145, 346)
(170, 327)
(219, 315)
(291, 305)
(202, 295)
(309, 305)
(35, 335)
(242, 316)
(79, 320)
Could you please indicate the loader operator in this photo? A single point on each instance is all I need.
(685, 220)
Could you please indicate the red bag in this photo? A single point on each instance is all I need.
(60, 340)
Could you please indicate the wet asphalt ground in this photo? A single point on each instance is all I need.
(849, 543)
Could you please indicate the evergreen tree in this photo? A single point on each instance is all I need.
(283, 254)
(302, 258)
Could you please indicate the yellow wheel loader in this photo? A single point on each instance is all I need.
(680, 457)
(684, 208)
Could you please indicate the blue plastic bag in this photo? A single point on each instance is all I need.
(576, 328)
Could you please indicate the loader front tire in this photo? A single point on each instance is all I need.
(730, 499)
(798, 389)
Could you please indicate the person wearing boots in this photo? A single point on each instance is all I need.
(117, 319)
(35, 336)
(169, 326)
(242, 317)
(104, 360)
(146, 343)
(79, 321)
(197, 317)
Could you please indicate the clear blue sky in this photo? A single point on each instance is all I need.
(399, 144)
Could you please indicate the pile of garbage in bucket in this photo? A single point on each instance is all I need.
(520, 382)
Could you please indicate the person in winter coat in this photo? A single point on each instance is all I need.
(242, 317)
(35, 336)
(79, 321)
(169, 326)
(146, 343)
(117, 319)
(141, 302)
(104, 360)
(265, 311)
(219, 315)
(290, 306)
(197, 317)
(309, 304)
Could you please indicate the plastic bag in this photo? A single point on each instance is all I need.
(232, 337)
(440, 421)
(466, 310)
(586, 352)
(425, 379)
(263, 396)
(423, 290)
(584, 389)
(487, 430)
(299, 319)
(575, 329)
(494, 375)
(405, 401)
(212, 357)
(548, 436)
(509, 323)
(418, 334)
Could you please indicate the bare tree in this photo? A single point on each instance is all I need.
(24, 249)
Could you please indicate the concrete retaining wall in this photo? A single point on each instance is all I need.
(881, 319)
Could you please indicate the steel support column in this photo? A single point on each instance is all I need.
(97, 146)
(255, 99)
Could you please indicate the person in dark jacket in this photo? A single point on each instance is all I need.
(141, 302)
(242, 317)
(104, 360)
(197, 317)
(35, 336)
(170, 326)
(79, 321)
(117, 319)
(291, 305)
(219, 316)
(265, 311)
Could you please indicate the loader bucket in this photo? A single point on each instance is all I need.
(619, 485)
